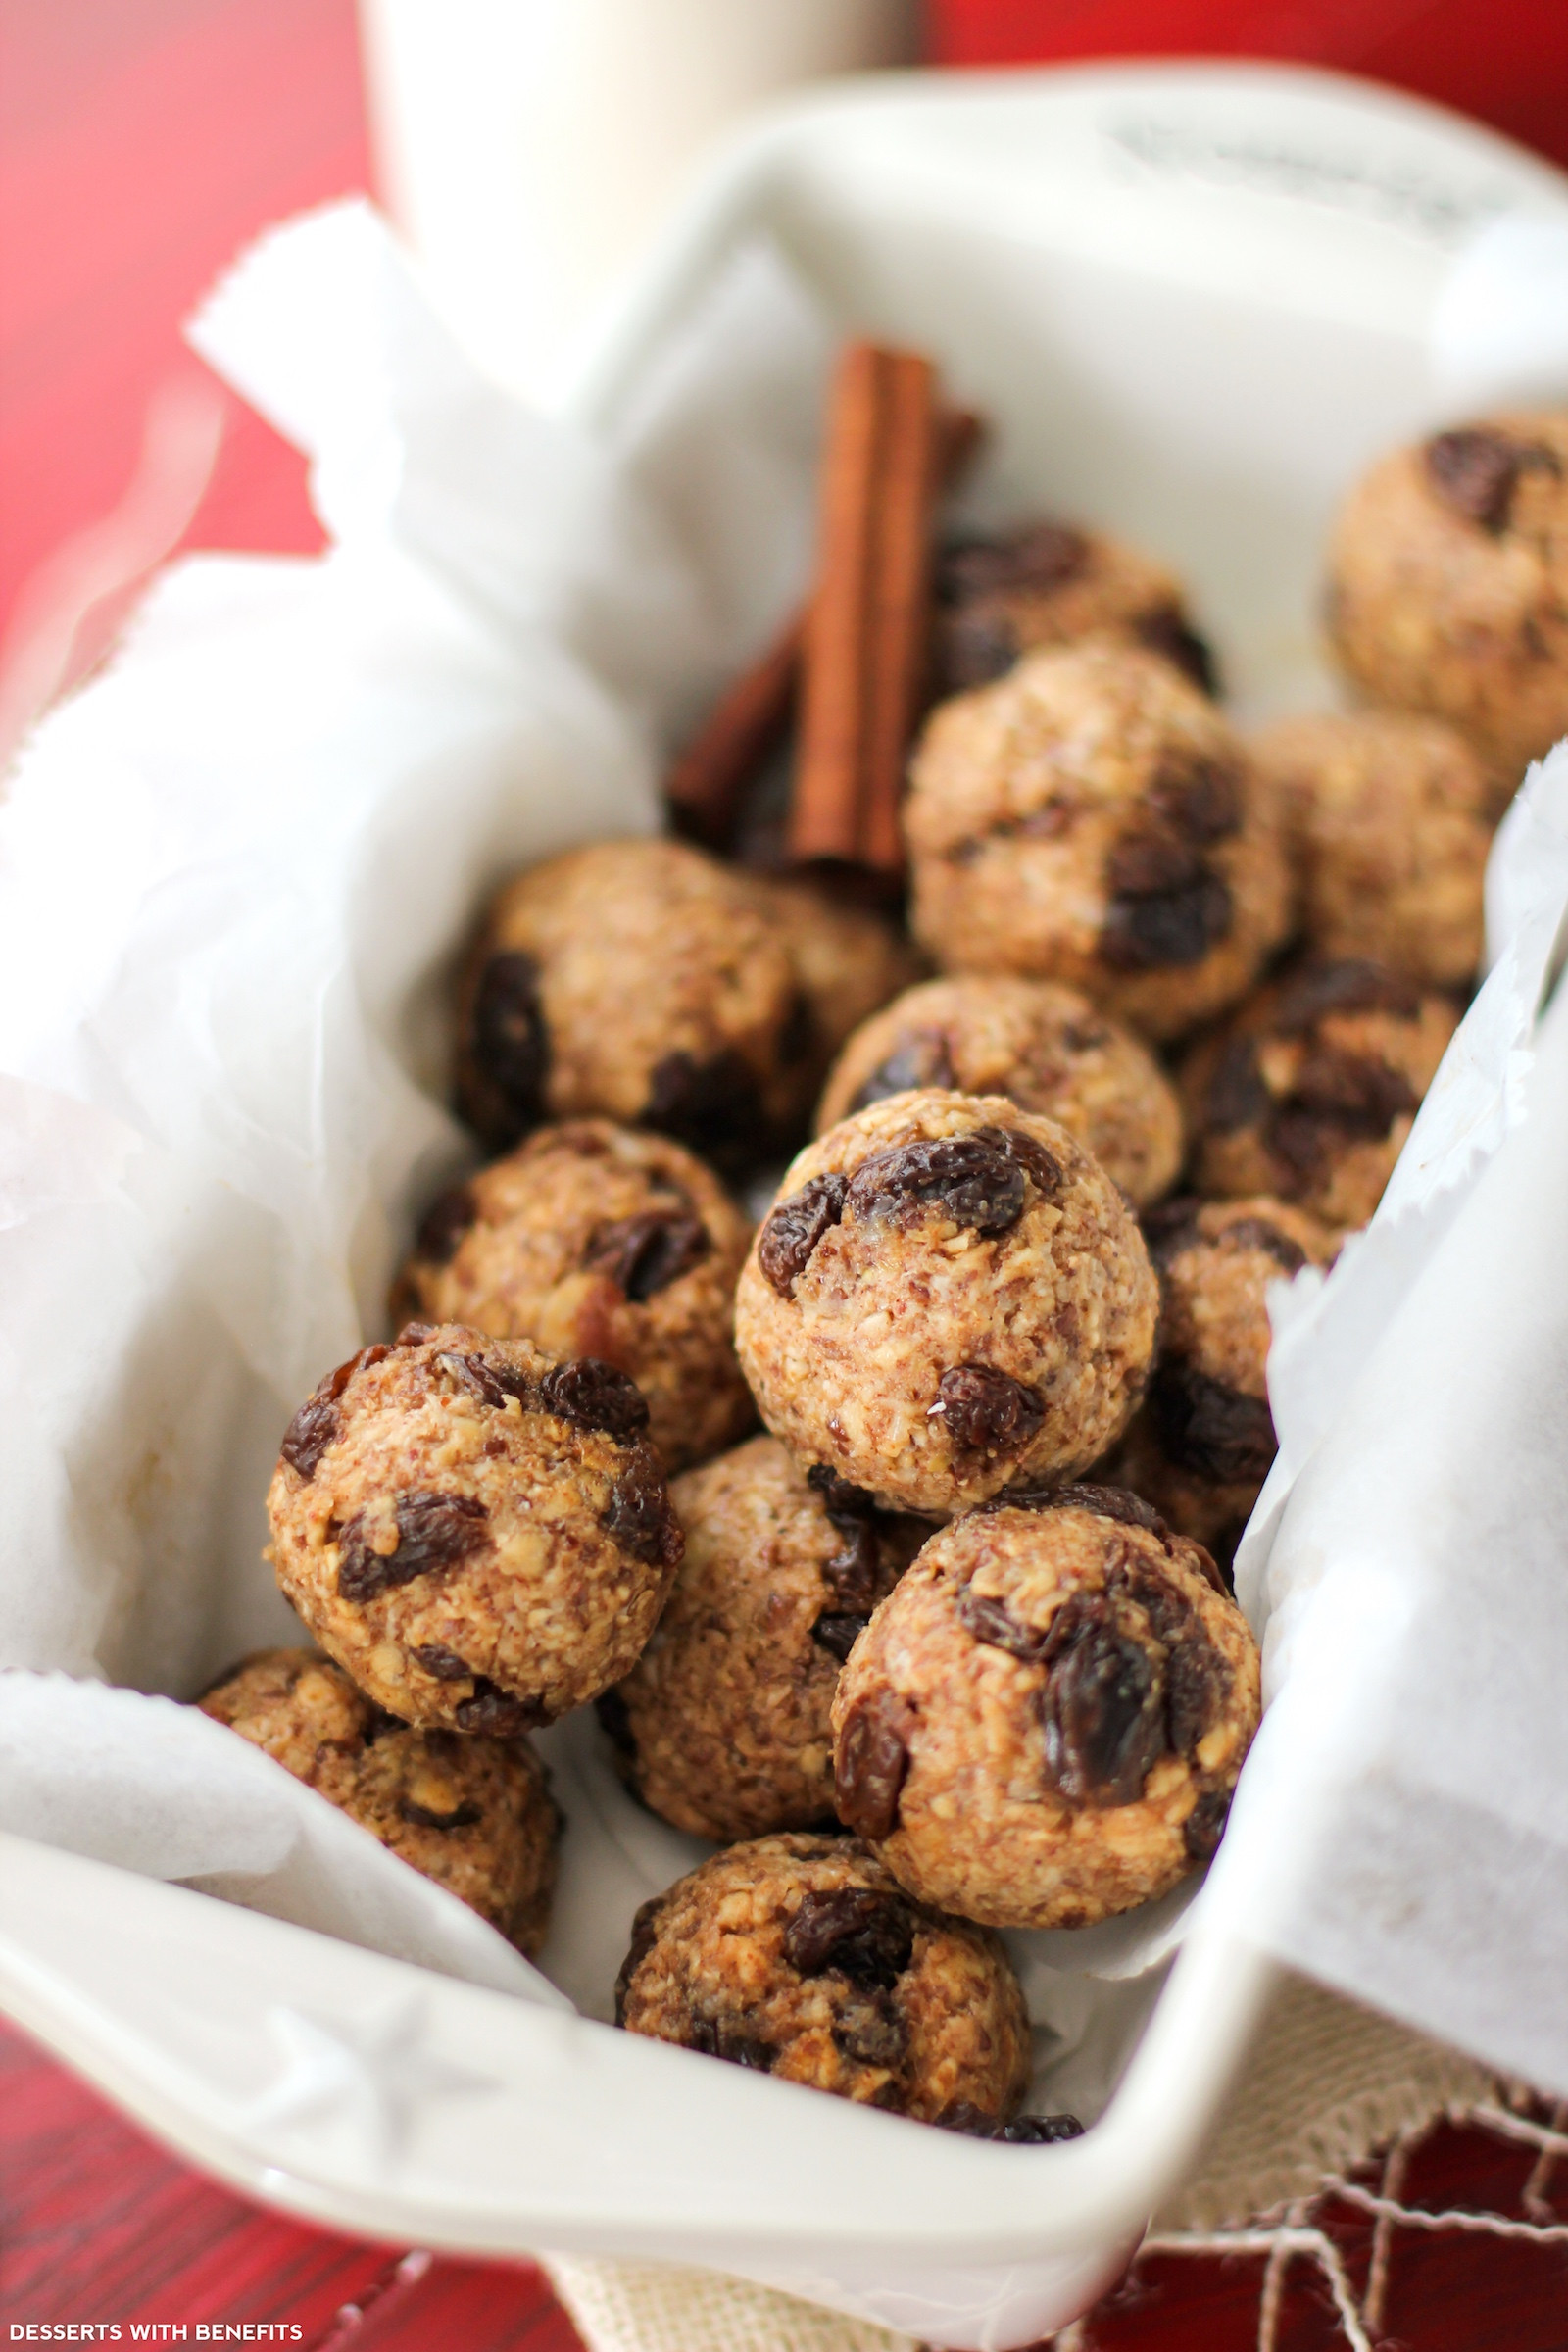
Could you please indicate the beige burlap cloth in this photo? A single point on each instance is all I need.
(1328, 2084)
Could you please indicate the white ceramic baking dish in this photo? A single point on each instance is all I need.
(1194, 303)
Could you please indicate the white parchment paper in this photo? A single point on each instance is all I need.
(235, 876)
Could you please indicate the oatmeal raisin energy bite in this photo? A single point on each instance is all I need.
(1043, 1724)
(802, 1958)
(479, 1535)
(948, 1296)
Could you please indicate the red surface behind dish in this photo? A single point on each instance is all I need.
(1507, 64)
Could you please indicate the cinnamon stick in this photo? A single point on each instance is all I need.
(867, 635)
(707, 783)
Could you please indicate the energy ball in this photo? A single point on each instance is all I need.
(722, 1724)
(638, 981)
(949, 1296)
(600, 1241)
(476, 1815)
(847, 961)
(1051, 584)
(480, 1536)
(1201, 1447)
(1091, 818)
(1449, 584)
(1388, 818)
(1310, 1091)
(1044, 1046)
(801, 1956)
(1044, 1722)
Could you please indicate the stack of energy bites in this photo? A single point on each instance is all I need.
(948, 1647)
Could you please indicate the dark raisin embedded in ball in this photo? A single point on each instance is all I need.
(1209, 1428)
(594, 1395)
(873, 1762)
(445, 1664)
(1150, 930)
(923, 1059)
(1165, 632)
(313, 1428)
(1476, 470)
(863, 1933)
(1200, 799)
(837, 1632)
(986, 1411)
(794, 1229)
(502, 1714)
(1257, 1233)
(1237, 1095)
(434, 1531)
(644, 1936)
(638, 1516)
(979, 1181)
(1204, 1824)
(713, 1107)
(511, 1043)
(840, 1498)
(450, 1215)
(1102, 1707)
(989, 1621)
(643, 1255)
(1041, 2130)
(725, 2037)
(489, 1380)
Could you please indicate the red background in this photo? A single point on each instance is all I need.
(141, 143)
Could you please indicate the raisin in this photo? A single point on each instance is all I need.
(1163, 928)
(1101, 1708)
(445, 1664)
(974, 647)
(594, 1395)
(873, 1762)
(448, 1218)
(434, 1531)
(794, 1227)
(921, 1059)
(1211, 1429)
(1353, 984)
(1204, 1824)
(638, 1517)
(510, 1042)
(1196, 1685)
(840, 1498)
(643, 1255)
(644, 1936)
(977, 1180)
(870, 2032)
(491, 1382)
(313, 1428)
(1041, 2130)
(462, 1817)
(716, 2037)
(1355, 1092)
(1152, 864)
(992, 1622)
(861, 1933)
(1107, 1503)
(963, 2114)
(854, 1573)
(614, 1719)
(415, 1335)
(1166, 632)
(986, 1411)
(1045, 556)
(499, 1713)
(1237, 1096)
(712, 1106)
(1257, 1233)
(1475, 471)
(1202, 799)
(837, 1632)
